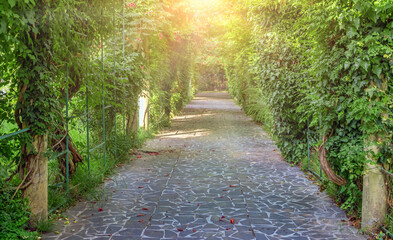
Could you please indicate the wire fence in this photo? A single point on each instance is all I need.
(86, 117)
(313, 166)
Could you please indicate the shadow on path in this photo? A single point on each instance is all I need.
(215, 165)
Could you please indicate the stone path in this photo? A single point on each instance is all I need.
(214, 165)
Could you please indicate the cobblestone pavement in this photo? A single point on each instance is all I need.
(218, 175)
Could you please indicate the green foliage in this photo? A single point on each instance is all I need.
(326, 62)
(45, 225)
(80, 50)
(14, 214)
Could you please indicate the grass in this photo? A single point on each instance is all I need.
(84, 182)
(45, 225)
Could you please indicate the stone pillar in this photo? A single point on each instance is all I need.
(374, 207)
(37, 191)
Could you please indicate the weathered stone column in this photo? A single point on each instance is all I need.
(37, 191)
(374, 205)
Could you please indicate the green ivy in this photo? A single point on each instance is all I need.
(328, 63)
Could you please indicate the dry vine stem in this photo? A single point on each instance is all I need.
(32, 164)
(330, 174)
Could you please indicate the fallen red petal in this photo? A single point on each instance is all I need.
(232, 186)
(145, 208)
(140, 187)
(100, 209)
(232, 221)
(139, 156)
(179, 229)
(198, 204)
(223, 217)
(141, 215)
(141, 220)
(228, 228)
(194, 230)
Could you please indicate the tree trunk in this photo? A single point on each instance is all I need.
(374, 207)
(132, 123)
(36, 179)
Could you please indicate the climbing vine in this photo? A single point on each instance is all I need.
(297, 66)
(327, 63)
(57, 54)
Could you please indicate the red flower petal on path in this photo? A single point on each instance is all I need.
(141, 220)
(141, 215)
(198, 204)
(139, 156)
(145, 208)
(228, 228)
(100, 209)
(232, 221)
(194, 230)
(226, 190)
(232, 186)
(180, 230)
(220, 220)
(184, 145)
(223, 217)
(140, 187)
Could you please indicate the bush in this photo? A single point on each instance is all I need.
(14, 215)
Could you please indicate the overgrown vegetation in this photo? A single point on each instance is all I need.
(293, 65)
(329, 63)
(95, 58)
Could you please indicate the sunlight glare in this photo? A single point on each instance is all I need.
(205, 4)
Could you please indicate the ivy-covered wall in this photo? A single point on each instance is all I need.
(325, 62)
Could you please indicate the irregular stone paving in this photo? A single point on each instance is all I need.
(215, 164)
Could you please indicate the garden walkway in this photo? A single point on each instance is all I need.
(218, 175)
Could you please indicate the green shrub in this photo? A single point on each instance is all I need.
(14, 215)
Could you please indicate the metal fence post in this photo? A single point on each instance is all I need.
(308, 146)
(321, 135)
(114, 75)
(67, 142)
(124, 114)
(103, 93)
(87, 128)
